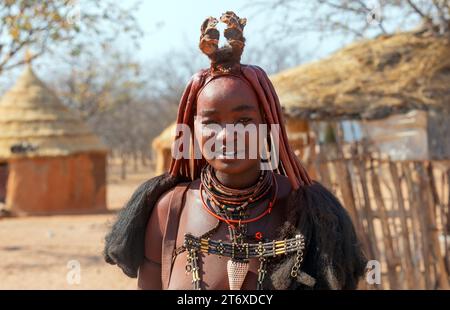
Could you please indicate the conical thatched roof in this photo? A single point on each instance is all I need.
(370, 79)
(33, 122)
(165, 138)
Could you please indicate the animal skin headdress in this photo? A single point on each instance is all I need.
(225, 61)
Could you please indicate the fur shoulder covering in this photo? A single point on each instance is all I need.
(124, 244)
(333, 257)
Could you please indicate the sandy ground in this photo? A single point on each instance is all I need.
(64, 252)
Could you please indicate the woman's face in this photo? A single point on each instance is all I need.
(224, 107)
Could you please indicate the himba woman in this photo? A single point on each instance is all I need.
(221, 221)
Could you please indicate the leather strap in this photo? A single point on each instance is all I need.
(176, 204)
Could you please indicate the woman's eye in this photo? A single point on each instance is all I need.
(244, 120)
(208, 122)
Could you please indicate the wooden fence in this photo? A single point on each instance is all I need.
(401, 213)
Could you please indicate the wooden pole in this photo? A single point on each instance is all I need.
(345, 185)
(446, 215)
(430, 217)
(391, 259)
(367, 209)
(414, 206)
(323, 171)
(410, 268)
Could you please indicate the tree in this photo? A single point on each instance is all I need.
(124, 104)
(44, 26)
(354, 18)
(273, 58)
(128, 102)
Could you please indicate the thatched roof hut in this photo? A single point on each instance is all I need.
(162, 146)
(31, 113)
(370, 79)
(400, 78)
(54, 163)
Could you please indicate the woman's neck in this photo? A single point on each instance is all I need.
(243, 180)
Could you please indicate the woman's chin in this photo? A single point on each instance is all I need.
(231, 166)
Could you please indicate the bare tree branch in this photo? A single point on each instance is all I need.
(416, 9)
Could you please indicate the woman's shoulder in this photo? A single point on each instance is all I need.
(160, 211)
(284, 185)
(163, 202)
(124, 243)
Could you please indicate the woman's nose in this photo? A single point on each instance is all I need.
(226, 133)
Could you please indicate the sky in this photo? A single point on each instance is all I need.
(180, 21)
(174, 24)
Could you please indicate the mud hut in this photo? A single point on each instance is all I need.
(399, 83)
(162, 146)
(50, 162)
(387, 103)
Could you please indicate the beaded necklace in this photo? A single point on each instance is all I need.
(230, 206)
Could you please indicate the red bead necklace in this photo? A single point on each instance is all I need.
(232, 222)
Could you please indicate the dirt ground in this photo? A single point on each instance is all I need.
(64, 252)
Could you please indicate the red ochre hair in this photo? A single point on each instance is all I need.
(334, 256)
(225, 61)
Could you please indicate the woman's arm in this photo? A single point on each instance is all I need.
(149, 274)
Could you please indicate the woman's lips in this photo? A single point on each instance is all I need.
(230, 155)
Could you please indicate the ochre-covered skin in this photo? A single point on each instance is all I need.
(49, 185)
(222, 101)
(194, 219)
(270, 106)
(136, 242)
